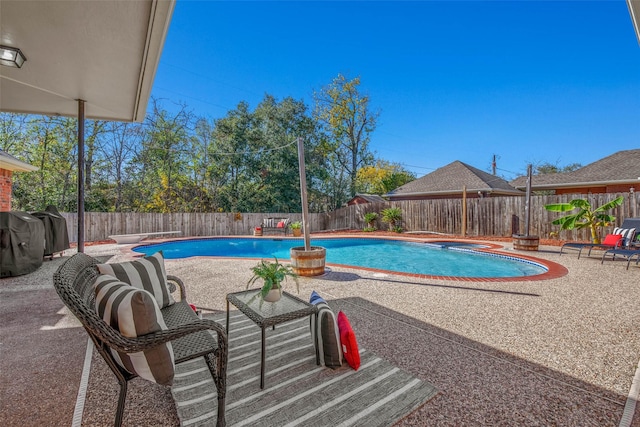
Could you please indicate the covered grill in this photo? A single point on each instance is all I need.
(21, 243)
(56, 237)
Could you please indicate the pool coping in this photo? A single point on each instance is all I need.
(554, 270)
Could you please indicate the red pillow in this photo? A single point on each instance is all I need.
(349, 344)
(612, 239)
(280, 224)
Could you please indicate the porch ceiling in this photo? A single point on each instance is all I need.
(634, 11)
(103, 52)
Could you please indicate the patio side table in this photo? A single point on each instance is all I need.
(288, 308)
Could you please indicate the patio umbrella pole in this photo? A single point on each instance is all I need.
(527, 208)
(303, 196)
(81, 175)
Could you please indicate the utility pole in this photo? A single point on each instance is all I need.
(493, 165)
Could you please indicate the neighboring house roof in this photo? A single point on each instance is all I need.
(619, 168)
(370, 198)
(8, 162)
(451, 179)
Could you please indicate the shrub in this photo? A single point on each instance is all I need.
(392, 216)
(370, 218)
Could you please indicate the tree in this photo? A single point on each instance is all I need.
(382, 177)
(161, 161)
(585, 217)
(50, 144)
(345, 114)
(547, 168)
(116, 151)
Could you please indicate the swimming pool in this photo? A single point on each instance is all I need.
(459, 260)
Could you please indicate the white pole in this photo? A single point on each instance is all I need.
(303, 196)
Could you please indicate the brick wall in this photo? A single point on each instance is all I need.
(5, 190)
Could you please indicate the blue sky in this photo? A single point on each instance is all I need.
(527, 81)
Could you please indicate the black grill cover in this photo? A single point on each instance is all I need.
(56, 237)
(21, 243)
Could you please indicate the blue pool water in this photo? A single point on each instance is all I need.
(452, 260)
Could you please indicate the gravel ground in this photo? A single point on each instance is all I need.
(554, 352)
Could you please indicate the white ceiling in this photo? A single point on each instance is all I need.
(103, 52)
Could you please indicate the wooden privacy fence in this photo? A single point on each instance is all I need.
(491, 216)
(99, 225)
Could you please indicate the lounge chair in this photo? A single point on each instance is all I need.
(626, 253)
(611, 241)
(628, 231)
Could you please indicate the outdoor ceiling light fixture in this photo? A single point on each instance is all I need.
(11, 56)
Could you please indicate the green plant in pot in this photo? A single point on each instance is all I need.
(272, 274)
(370, 218)
(586, 216)
(296, 228)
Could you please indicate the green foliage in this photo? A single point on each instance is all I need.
(296, 225)
(370, 218)
(547, 168)
(382, 177)
(370, 229)
(392, 216)
(586, 216)
(245, 161)
(272, 274)
(345, 114)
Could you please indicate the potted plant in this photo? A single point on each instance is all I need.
(296, 228)
(370, 218)
(586, 216)
(393, 216)
(272, 274)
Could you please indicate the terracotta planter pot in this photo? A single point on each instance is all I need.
(308, 263)
(297, 232)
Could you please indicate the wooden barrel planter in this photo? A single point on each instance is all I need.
(308, 263)
(522, 242)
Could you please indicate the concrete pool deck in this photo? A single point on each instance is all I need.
(562, 351)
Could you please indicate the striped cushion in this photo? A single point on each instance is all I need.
(324, 325)
(134, 312)
(147, 273)
(627, 234)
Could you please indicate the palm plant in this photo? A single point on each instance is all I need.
(392, 216)
(370, 218)
(585, 217)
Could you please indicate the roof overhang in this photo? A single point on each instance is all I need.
(102, 52)
(634, 11)
(492, 191)
(582, 184)
(8, 162)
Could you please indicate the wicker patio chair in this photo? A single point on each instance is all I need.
(190, 336)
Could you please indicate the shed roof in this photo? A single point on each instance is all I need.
(451, 179)
(371, 198)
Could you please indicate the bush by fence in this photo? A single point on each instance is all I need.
(491, 216)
